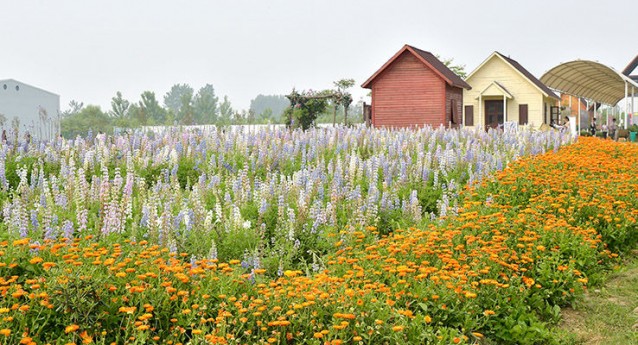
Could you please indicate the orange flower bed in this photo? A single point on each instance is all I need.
(522, 245)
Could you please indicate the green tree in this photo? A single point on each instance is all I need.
(90, 117)
(266, 116)
(173, 98)
(205, 105)
(225, 111)
(74, 108)
(119, 106)
(457, 69)
(186, 110)
(150, 109)
(276, 103)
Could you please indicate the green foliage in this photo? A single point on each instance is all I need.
(277, 104)
(74, 108)
(225, 111)
(89, 118)
(149, 109)
(457, 69)
(305, 108)
(31, 164)
(119, 106)
(186, 111)
(205, 105)
(173, 99)
(187, 172)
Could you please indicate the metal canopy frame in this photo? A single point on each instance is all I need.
(589, 79)
(592, 80)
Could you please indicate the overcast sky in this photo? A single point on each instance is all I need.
(88, 50)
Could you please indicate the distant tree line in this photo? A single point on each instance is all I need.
(181, 105)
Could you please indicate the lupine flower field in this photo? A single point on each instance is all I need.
(329, 236)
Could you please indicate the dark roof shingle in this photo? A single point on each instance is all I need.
(442, 68)
(529, 76)
(428, 58)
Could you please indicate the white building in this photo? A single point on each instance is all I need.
(29, 109)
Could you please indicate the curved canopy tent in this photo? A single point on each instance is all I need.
(589, 79)
(592, 80)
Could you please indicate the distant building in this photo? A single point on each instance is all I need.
(504, 91)
(30, 109)
(414, 88)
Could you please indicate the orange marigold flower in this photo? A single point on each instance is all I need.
(36, 260)
(71, 328)
(127, 310)
(469, 294)
(5, 331)
(48, 265)
(21, 242)
(86, 338)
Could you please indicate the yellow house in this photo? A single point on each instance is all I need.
(503, 91)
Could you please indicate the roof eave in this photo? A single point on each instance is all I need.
(367, 83)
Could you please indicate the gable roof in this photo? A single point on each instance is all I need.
(520, 69)
(427, 59)
(630, 68)
(25, 84)
(499, 87)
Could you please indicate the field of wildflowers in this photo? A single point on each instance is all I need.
(167, 239)
(265, 198)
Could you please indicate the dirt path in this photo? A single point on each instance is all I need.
(608, 314)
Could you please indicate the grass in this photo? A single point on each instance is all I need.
(607, 314)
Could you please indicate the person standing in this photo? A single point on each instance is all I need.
(613, 129)
(564, 126)
(592, 127)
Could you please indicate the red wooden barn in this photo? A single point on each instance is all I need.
(414, 88)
